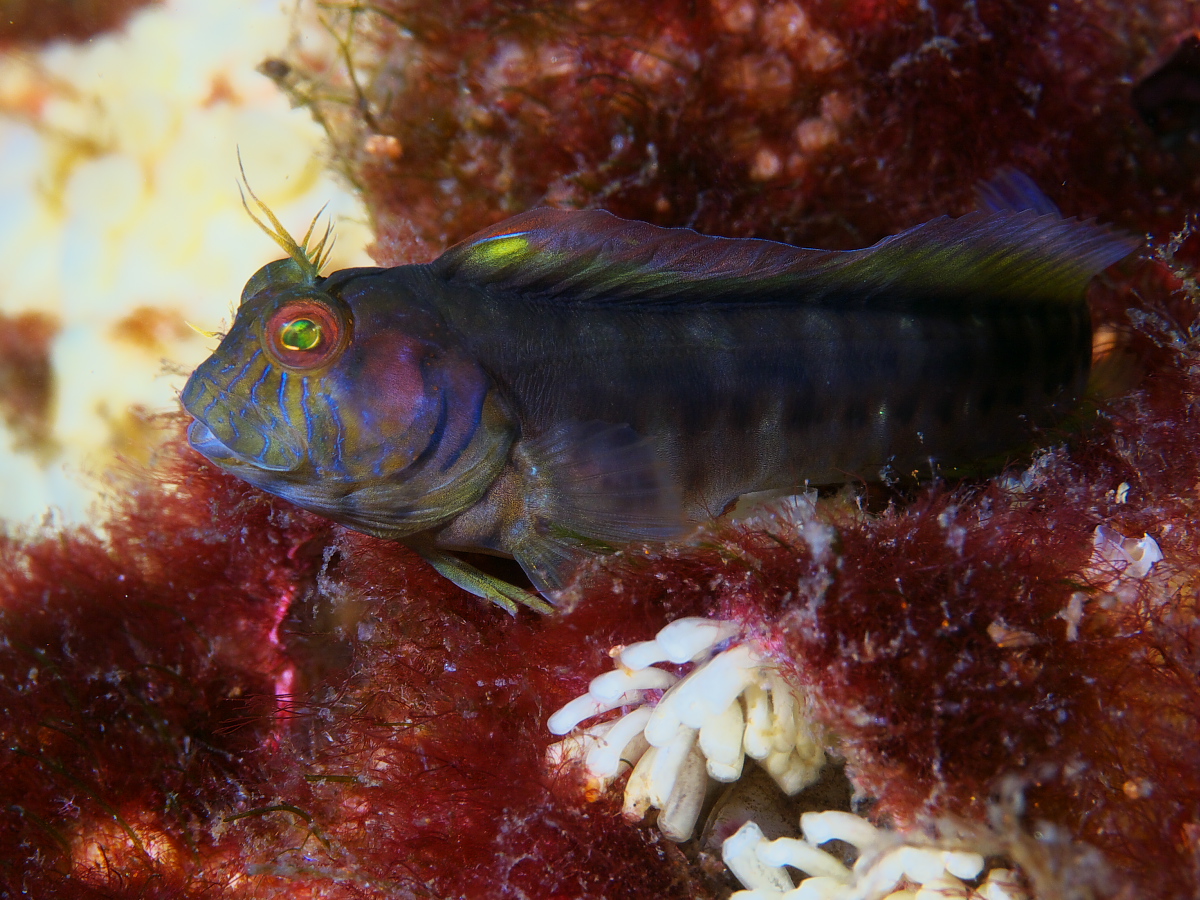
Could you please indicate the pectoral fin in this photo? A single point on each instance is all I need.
(592, 488)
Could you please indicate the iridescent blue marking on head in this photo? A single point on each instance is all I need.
(348, 395)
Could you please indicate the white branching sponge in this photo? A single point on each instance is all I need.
(733, 704)
(888, 868)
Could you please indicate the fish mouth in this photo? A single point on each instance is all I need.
(204, 442)
(249, 440)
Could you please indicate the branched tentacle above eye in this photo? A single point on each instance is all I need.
(310, 259)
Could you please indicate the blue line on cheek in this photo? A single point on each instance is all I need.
(225, 392)
(257, 384)
(232, 364)
(261, 456)
(282, 398)
(211, 403)
(246, 368)
(269, 431)
(309, 418)
(339, 443)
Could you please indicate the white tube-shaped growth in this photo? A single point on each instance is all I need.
(604, 759)
(612, 685)
(757, 740)
(667, 764)
(740, 853)
(584, 707)
(805, 857)
(637, 789)
(713, 685)
(790, 772)
(642, 654)
(678, 818)
(962, 864)
(691, 638)
(783, 708)
(834, 825)
(721, 743)
(664, 722)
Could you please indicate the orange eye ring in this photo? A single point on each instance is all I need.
(305, 333)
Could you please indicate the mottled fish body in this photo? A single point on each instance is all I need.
(569, 382)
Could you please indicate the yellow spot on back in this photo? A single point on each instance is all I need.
(501, 249)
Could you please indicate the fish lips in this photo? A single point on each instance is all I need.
(204, 442)
(276, 446)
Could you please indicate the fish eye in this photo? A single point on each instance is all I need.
(305, 333)
(300, 334)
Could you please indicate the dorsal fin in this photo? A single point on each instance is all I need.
(1013, 191)
(1002, 255)
(591, 254)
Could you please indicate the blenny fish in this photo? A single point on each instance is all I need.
(566, 383)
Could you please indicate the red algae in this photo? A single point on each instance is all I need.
(224, 696)
(425, 766)
(30, 23)
(138, 675)
(823, 123)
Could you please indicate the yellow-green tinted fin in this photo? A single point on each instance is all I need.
(507, 596)
(985, 258)
(1018, 250)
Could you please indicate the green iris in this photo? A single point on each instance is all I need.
(300, 334)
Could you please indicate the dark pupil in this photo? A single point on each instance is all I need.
(300, 334)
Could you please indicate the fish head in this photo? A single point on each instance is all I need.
(349, 396)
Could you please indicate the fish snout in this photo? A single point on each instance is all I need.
(235, 432)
